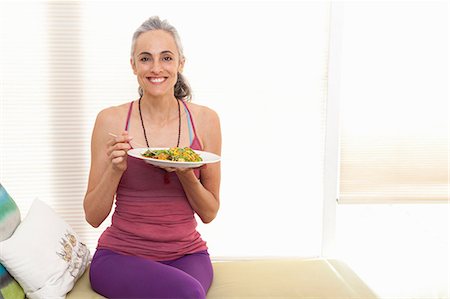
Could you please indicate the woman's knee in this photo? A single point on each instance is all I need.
(193, 290)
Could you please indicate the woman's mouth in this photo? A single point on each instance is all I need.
(156, 80)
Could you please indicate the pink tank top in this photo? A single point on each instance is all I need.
(152, 218)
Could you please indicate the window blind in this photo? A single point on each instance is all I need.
(394, 115)
(45, 118)
(265, 78)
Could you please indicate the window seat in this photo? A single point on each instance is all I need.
(271, 278)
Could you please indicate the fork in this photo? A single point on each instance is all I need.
(135, 143)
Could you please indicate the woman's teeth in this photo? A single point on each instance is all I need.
(157, 80)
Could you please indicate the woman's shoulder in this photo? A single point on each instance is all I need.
(208, 127)
(207, 124)
(111, 115)
(114, 111)
(202, 113)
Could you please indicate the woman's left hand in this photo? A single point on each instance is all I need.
(181, 169)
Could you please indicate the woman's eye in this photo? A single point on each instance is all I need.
(167, 59)
(144, 59)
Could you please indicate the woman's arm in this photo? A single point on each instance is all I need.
(108, 162)
(203, 194)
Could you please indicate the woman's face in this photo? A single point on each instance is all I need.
(156, 62)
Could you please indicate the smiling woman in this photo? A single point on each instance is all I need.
(153, 232)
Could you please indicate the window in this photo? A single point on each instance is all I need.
(394, 115)
(394, 146)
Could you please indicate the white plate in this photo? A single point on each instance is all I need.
(206, 156)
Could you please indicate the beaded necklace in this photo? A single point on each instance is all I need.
(143, 127)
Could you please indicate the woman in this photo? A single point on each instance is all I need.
(152, 249)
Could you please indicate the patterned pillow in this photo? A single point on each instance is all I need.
(9, 220)
(9, 288)
(9, 215)
(45, 255)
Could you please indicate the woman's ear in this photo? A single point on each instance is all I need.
(181, 65)
(133, 66)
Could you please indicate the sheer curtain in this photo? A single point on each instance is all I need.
(261, 65)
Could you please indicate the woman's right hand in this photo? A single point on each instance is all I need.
(117, 151)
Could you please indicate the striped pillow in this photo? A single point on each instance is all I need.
(9, 220)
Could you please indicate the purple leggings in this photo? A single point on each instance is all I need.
(115, 275)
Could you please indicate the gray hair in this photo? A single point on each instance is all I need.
(182, 89)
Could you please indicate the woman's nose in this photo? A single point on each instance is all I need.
(156, 67)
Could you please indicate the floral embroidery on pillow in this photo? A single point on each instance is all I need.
(74, 252)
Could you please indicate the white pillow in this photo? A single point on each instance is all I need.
(44, 254)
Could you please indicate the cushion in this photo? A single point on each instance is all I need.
(9, 215)
(313, 278)
(9, 220)
(44, 254)
(287, 278)
(9, 288)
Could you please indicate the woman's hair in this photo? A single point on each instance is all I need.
(182, 89)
